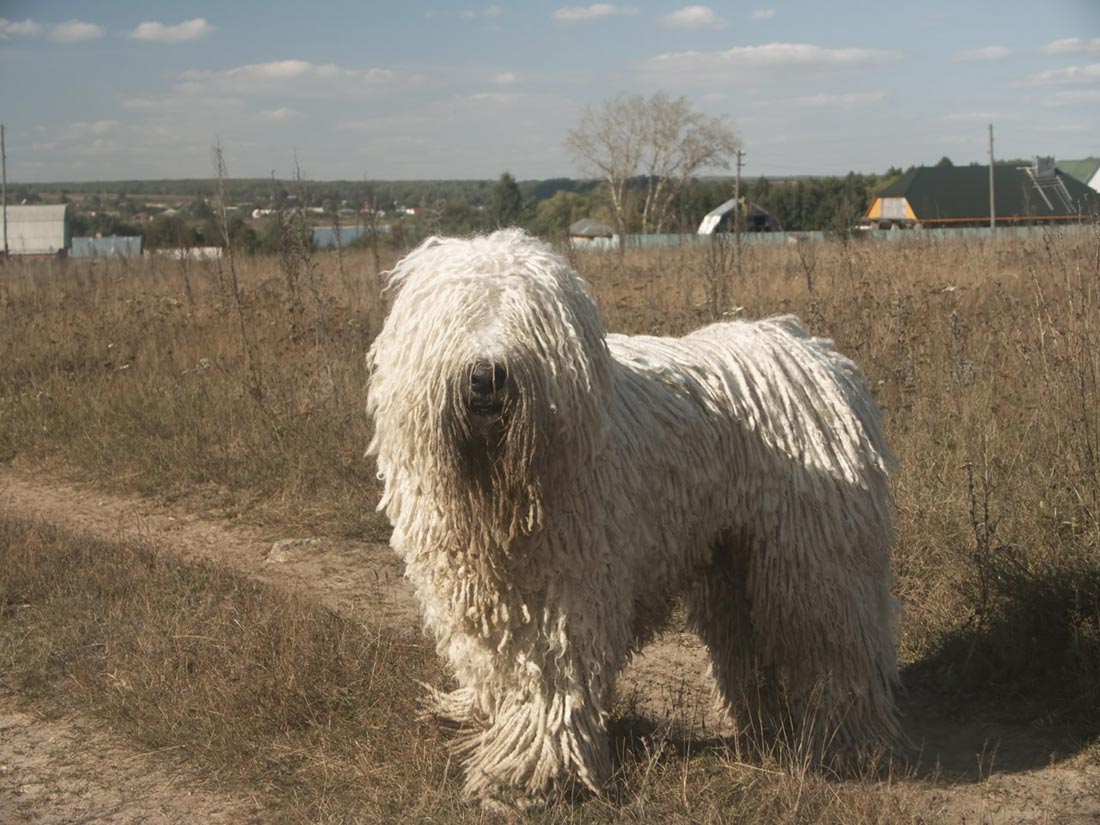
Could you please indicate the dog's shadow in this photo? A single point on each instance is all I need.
(967, 722)
(959, 730)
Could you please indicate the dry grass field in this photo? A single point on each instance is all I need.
(235, 390)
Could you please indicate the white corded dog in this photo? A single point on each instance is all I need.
(553, 489)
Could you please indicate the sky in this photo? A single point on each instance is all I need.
(420, 90)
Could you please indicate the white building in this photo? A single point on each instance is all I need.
(37, 230)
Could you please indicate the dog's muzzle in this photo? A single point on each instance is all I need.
(486, 389)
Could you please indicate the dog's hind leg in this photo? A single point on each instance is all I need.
(719, 611)
(822, 618)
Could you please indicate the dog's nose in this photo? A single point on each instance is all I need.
(486, 378)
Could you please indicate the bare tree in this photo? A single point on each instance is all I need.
(608, 144)
(663, 142)
(681, 142)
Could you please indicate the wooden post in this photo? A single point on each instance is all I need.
(4, 187)
(992, 209)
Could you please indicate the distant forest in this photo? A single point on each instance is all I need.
(387, 193)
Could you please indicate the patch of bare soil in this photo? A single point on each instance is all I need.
(972, 769)
(66, 771)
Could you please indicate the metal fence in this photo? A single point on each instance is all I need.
(764, 238)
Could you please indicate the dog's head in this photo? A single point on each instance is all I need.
(491, 372)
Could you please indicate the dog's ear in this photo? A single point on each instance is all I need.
(393, 278)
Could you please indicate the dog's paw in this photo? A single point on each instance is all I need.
(511, 803)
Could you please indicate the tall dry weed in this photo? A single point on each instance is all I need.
(109, 370)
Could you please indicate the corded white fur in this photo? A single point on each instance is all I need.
(742, 466)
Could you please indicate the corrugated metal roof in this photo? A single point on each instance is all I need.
(961, 193)
(714, 217)
(754, 217)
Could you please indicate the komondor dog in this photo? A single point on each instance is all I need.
(553, 489)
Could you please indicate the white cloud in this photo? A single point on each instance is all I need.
(982, 53)
(160, 33)
(175, 103)
(506, 79)
(1072, 45)
(140, 104)
(1069, 45)
(1072, 74)
(763, 14)
(299, 77)
(73, 31)
(505, 98)
(83, 129)
(931, 21)
(280, 114)
(99, 146)
(693, 17)
(742, 61)
(842, 100)
(573, 14)
(977, 117)
(1074, 97)
(846, 100)
(488, 11)
(17, 28)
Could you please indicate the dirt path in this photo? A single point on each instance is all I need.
(990, 772)
(65, 771)
(359, 579)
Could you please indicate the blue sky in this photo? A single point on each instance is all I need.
(110, 90)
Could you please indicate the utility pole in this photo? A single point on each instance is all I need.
(992, 210)
(737, 210)
(4, 188)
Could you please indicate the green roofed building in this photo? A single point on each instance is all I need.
(1087, 171)
(932, 196)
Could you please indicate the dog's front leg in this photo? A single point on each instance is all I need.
(547, 736)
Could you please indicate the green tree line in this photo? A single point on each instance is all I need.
(546, 208)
